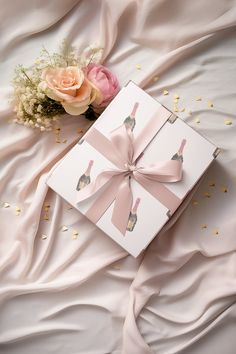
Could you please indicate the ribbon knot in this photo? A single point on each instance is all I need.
(130, 168)
(113, 184)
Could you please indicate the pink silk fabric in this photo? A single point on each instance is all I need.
(124, 151)
(83, 294)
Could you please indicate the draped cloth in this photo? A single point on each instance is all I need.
(77, 291)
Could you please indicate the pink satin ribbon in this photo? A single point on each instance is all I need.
(124, 152)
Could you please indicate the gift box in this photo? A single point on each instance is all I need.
(133, 168)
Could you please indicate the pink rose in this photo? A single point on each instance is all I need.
(105, 81)
(70, 87)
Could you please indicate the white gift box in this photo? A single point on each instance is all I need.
(144, 210)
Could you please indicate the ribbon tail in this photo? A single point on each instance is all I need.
(122, 206)
(103, 201)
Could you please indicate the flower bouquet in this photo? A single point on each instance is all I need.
(60, 83)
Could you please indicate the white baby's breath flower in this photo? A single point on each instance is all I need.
(39, 108)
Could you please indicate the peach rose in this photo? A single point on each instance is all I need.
(105, 81)
(70, 87)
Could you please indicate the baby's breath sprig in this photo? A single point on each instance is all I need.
(31, 104)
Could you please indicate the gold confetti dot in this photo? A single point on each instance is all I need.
(176, 109)
(75, 233)
(210, 104)
(176, 96)
(69, 207)
(216, 232)
(18, 209)
(206, 194)
(228, 122)
(46, 205)
(198, 98)
(190, 113)
(46, 218)
(176, 100)
(58, 141)
(197, 120)
(195, 202)
(79, 130)
(165, 92)
(6, 205)
(65, 141)
(182, 110)
(17, 213)
(138, 66)
(44, 237)
(74, 236)
(64, 228)
(224, 189)
(204, 226)
(211, 184)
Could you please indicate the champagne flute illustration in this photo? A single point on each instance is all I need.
(179, 154)
(130, 120)
(133, 216)
(85, 179)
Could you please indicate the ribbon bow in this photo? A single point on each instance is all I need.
(114, 185)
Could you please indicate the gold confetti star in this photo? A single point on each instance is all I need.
(79, 130)
(197, 120)
(206, 194)
(18, 211)
(198, 98)
(64, 228)
(204, 226)
(228, 122)
(195, 202)
(224, 189)
(138, 66)
(211, 184)
(44, 237)
(176, 96)
(6, 205)
(165, 92)
(210, 104)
